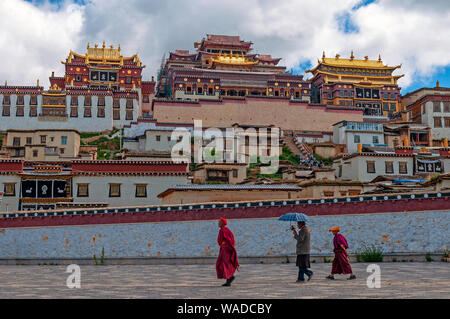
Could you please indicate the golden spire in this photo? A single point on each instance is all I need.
(104, 45)
(366, 58)
(37, 82)
(337, 56)
(96, 46)
(6, 83)
(437, 83)
(379, 57)
(118, 48)
(323, 56)
(352, 56)
(88, 46)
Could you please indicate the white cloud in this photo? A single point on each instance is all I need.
(409, 32)
(34, 40)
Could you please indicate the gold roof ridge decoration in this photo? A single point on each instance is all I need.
(232, 59)
(337, 61)
(103, 54)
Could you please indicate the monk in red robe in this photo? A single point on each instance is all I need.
(341, 264)
(227, 262)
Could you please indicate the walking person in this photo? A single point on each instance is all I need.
(303, 251)
(341, 264)
(227, 261)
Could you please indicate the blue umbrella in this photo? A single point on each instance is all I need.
(294, 217)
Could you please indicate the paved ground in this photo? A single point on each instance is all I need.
(398, 280)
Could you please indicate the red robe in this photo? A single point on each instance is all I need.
(341, 264)
(227, 262)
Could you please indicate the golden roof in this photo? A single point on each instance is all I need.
(337, 61)
(233, 59)
(103, 54)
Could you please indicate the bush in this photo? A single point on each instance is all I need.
(370, 254)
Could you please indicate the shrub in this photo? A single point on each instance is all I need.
(370, 254)
(428, 257)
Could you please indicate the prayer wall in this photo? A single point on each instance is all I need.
(188, 232)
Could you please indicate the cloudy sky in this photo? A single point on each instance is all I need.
(36, 35)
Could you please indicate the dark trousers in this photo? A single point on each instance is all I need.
(301, 273)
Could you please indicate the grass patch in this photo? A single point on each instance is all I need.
(90, 134)
(370, 254)
(287, 155)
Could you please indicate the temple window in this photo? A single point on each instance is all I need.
(29, 140)
(33, 100)
(129, 103)
(101, 112)
(78, 78)
(437, 106)
(101, 101)
(210, 91)
(129, 115)
(116, 103)
(5, 111)
(200, 90)
(87, 112)
(141, 190)
(403, 167)
(385, 106)
(43, 139)
(188, 89)
(437, 122)
(447, 106)
(74, 100)
(145, 98)
(116, 114)
(87, 101)
(447, 122)
(356, 139)
(19, 111)
(128, 80)
(16, 141)
(277, 93)
(6, 100)
(114, 190)
(83, 190)
(9, 189)
(20, 100)
(73, 112)
(370, 167)
(63, 140)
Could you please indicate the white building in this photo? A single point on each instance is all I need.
(30, 186)
(353, 133)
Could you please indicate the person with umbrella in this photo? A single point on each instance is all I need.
(303, 244)
(227, 261)
(341, 264)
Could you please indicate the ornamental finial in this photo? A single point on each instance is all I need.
(379, 57)
(323, 56)
(352, 56)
